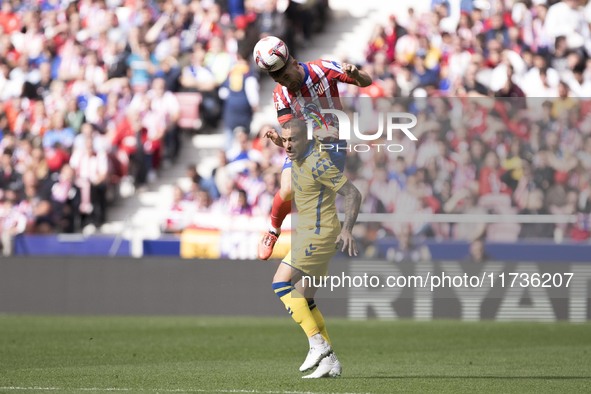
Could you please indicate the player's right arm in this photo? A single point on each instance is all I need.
(284, 114)
(334, 179)
(273, 135)
(282, 105)
(345, 240)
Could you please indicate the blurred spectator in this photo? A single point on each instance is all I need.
(10, 21)
(171, 73)
(524, 186)
(407, 251)
(476, 252)
(465, 201)
(242, 152)
(218, 60)
(535, 206)
(251, 180)
(177, 216)
(203, 201)
(9, 178)
(491, 174)
(510, 88)
(58, 133)
(383, 190)
(65, 200)
(37, 87)
(91, 168)
(197, 77)
(272, 22)
(264, 200)
(240, 92)
(470, 84)
(165, 109)
(128, 141)
(239, 203)
(74, 115)
(564, 102)
(142, 65)
(12, 221)
(384, 40)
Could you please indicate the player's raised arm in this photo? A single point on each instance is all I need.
(361, 77)
(272, 134)
(345, 240)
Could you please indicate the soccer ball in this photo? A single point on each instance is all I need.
(270, 54)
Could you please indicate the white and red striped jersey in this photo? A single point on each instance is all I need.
(318, 90)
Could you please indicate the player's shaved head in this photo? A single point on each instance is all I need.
(293, 135)
(298, 125)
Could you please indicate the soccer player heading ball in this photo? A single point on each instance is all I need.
(302, 90)
(317, 181)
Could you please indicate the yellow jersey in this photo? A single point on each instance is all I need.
(315, 182)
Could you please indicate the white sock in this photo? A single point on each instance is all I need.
(316, 339)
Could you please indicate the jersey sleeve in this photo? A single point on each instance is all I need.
(328, 174)
(282, 106)
(334, 70)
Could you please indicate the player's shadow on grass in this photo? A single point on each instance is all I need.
(469, 377)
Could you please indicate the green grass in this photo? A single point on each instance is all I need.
(217, 355)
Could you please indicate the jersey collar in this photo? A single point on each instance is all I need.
(306, 74)
(310, 149)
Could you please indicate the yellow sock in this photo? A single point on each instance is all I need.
(319, 320)
(297, 306)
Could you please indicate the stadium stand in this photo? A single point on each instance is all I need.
(66, 77)
(93, 95)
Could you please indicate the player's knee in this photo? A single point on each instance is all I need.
(282, 288)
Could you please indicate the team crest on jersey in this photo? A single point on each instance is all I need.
(320, 89)
(312, 112)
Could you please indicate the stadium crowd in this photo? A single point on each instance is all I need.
(516, 136)
(88, 102)
(499, 90)
(88, 94)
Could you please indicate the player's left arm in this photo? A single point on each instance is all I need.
(361, 78)
(344, 72)
(334, 179)
(345, 240)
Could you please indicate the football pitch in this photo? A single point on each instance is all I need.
(248, 355)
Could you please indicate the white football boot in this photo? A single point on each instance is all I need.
(329, 367)
(319, 350)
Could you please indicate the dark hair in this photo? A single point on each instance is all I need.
(277, 73)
